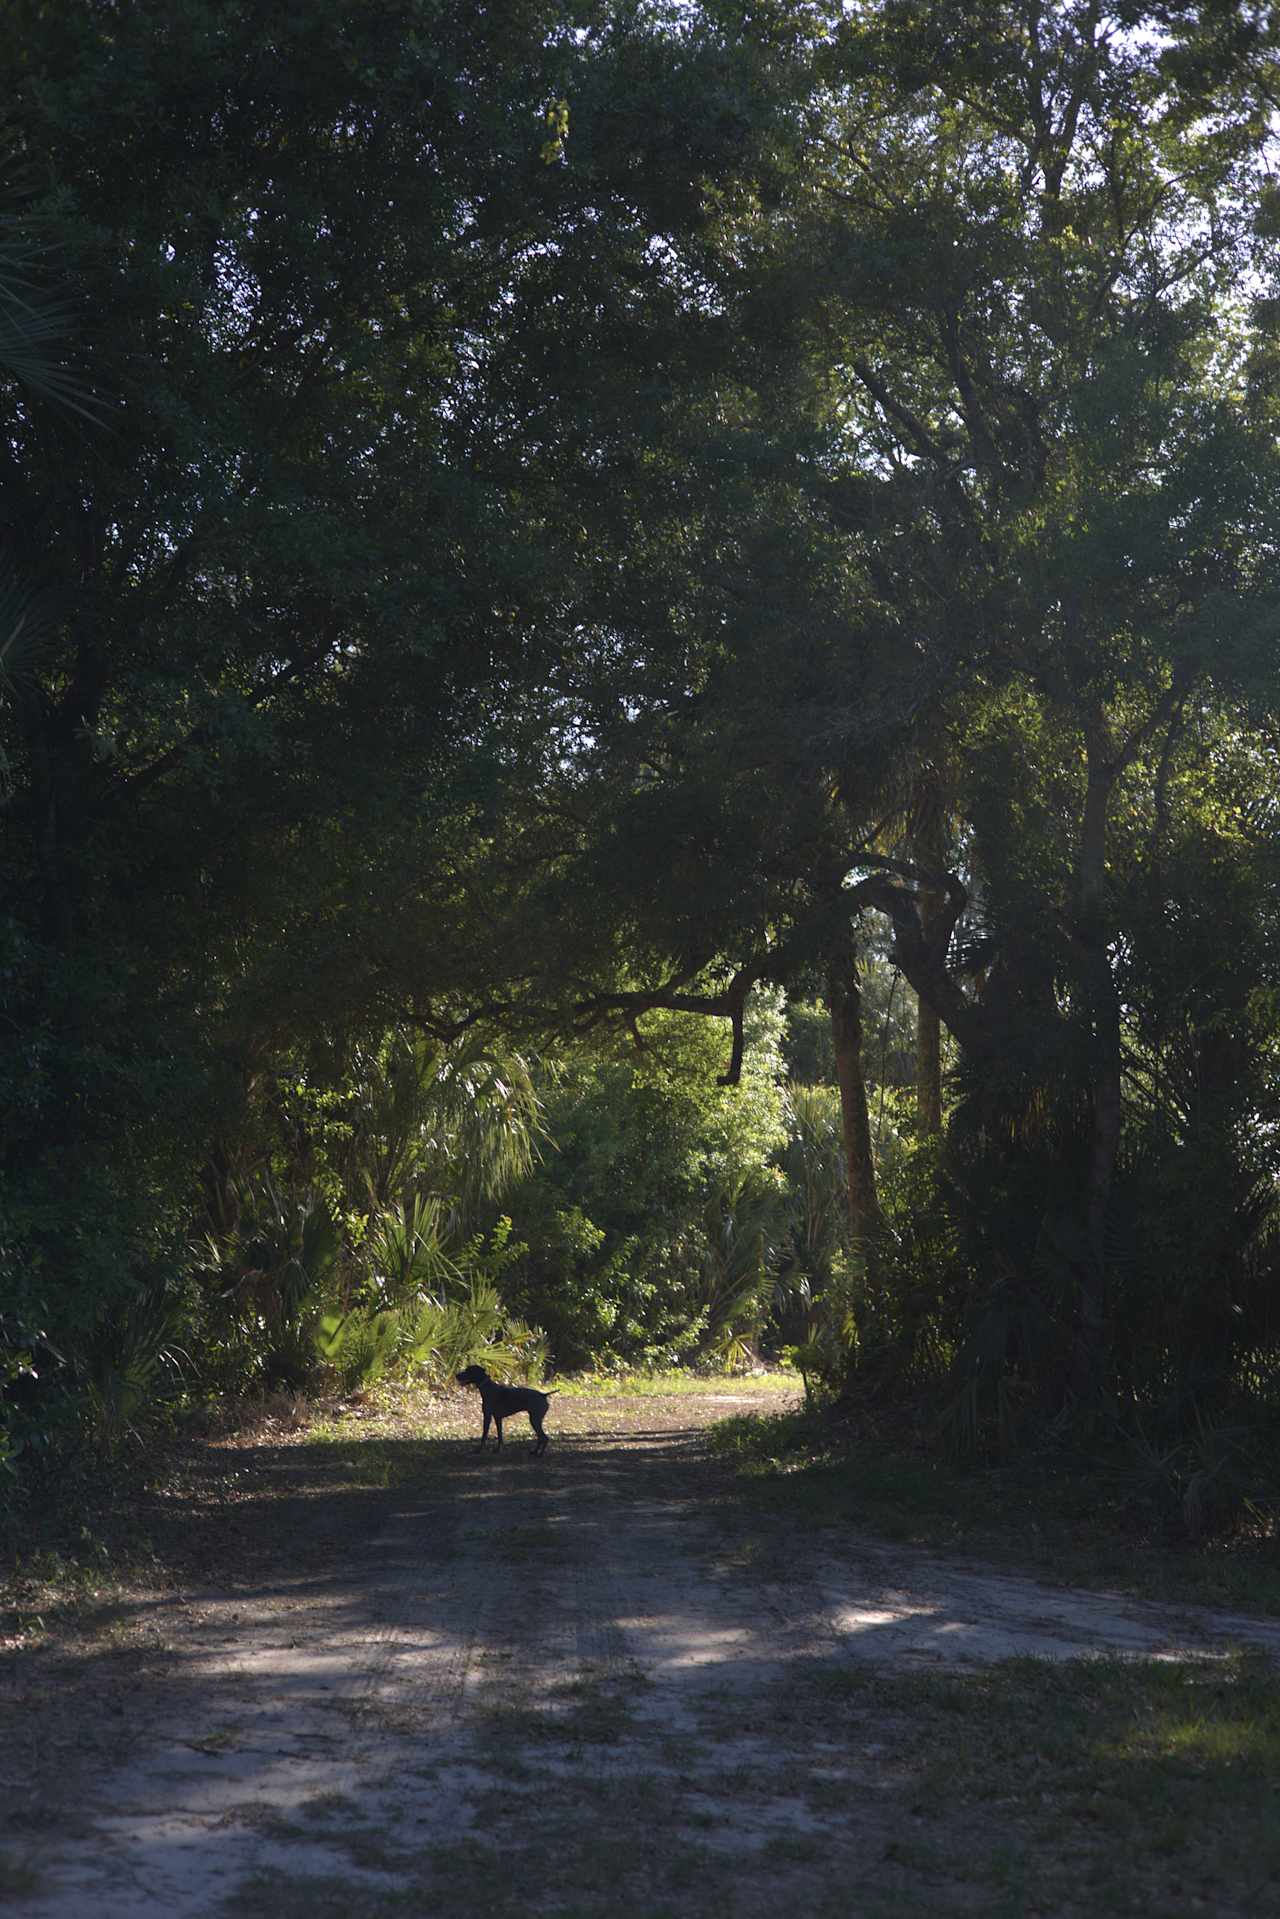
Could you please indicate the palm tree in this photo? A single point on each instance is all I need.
(738, 1249)
(816, 1211)
(460, 1123)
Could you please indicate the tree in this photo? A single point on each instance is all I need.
(1070, 221)
(348, 317)
(651, 1221)
(993, 483)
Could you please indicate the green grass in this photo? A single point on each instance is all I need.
(1082, 1787)
(586, 1709)
(17, 1880)
(283, 1895)
(672, 1385)
(362, 1845)
(1076, 1521)
(598, 1846)
(369, 1460)
(1140, 1784)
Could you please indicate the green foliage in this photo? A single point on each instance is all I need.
(469, 591)
(737, 1250)
(817, 1219)
(301, 1274)
(133, 1362)
(357, 1345)
(271, 595)
(651, 1222)
(807, 1049)
(401, 1254)
(993, 523)
(263, 1284)
(557, 122)
(401, 1112)
(432, 1338)
(1202, 1478)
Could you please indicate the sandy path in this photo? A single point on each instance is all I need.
(514, 1656)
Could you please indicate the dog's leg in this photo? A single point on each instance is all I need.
(535, 1420)
(498, 1423)
(485, 1434)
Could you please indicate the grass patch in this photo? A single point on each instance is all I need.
(675, 1384)
(468, 1860)
(1152, 1783)
(1074, 1788)
(599, 1847)
(17, 1879)
(582, 1711)
(535, 1539)
(795, 1848)
(283, 1895)
(1080, 1522)
(366, 1846)
(369, 1460)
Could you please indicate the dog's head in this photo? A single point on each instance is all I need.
(472, 1376)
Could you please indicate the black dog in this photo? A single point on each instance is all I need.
(501, 1402)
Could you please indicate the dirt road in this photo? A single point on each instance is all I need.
(588, 1683)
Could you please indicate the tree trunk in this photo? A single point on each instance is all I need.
(931, 854)
(1102, 1009)
(928, 1069)
(844, 1001)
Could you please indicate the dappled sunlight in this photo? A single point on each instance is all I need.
(386, 1620)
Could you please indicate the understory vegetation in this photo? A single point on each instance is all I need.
(640, 715)
(1100, 1514)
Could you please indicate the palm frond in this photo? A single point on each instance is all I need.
(39, 318)
(27, 623)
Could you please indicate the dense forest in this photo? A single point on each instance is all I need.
(640, 704)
